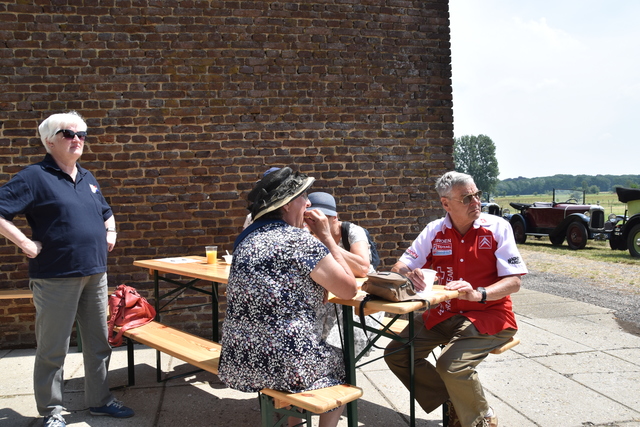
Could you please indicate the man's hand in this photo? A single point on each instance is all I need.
(31, 248)
(417, 278)
(111, 240)
(465, 290)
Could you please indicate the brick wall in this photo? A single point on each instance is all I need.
(188, 102)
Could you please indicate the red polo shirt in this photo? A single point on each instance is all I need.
(481, 257)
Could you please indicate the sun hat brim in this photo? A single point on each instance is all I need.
(275, 190)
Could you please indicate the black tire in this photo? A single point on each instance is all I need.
(577, 235)
(519, 232)
(616, 243)
(557, 240)
(633, 241)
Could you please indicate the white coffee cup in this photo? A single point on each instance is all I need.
(429, 276)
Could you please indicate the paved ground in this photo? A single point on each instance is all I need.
(575, 367)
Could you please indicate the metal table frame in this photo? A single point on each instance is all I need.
(198, 271)
(397, 310)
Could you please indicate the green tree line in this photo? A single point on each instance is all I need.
(592, 184)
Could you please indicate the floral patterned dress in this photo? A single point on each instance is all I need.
(272, 331)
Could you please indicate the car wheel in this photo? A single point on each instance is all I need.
(633, 241)
(557, 240)
(519, 233)
(616, 243)
(577, 235)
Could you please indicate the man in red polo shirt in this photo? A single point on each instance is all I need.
(475, 254)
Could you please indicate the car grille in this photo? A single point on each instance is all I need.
(597, 219)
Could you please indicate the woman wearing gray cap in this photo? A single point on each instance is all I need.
(277, 286)
(358, 257)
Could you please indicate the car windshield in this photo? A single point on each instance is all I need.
(573, 196)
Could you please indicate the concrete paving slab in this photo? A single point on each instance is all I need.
(17, 372)
(559, 309)
(537, 341)
(631, 355)
(592, 334)
(552, 399)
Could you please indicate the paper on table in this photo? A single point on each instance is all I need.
(178, 260)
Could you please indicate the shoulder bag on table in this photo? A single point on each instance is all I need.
(390, 286)
(127, 309)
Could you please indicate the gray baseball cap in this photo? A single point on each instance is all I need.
(323, 202)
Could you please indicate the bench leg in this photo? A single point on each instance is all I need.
(130, 363)
(445, 414)
(268, 413)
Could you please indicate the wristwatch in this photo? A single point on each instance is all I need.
(111, 229)
(484, 295)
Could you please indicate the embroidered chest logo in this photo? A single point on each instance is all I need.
(484, 242)
(94, 189)
(442, 247)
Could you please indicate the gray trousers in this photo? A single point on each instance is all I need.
(59, 302)
(454, 377)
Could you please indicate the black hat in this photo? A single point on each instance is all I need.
(276, 189)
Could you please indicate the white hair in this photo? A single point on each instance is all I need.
(52, 124)
(446, 182)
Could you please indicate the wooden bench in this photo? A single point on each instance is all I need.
(205, 354)
(15, 293)
(319, 401)
(400, 324)
(196, 351)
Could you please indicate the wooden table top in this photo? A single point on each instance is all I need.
(438, 295)
(198, 269)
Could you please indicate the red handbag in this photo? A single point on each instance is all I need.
(127, 309)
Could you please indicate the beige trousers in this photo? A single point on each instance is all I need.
(454, 377)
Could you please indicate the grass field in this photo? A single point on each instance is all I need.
(595, 250)
(609, 201)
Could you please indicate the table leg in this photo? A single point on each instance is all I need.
(412, 374)
(215, 311)
(350, 362)
(156, 292)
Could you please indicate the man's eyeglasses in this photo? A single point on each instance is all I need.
(467, 199)
(69, 134)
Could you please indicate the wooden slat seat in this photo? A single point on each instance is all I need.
(15, 293)
(196, 351)
(303, 405)
(400, 324)
(316, 401)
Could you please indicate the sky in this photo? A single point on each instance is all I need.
(554, 83)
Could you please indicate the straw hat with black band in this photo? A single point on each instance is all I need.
(276, 189)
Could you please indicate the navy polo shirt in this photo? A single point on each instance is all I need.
(66, 217)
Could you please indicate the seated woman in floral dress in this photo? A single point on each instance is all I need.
(277, 286)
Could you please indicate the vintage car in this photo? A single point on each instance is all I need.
(625, 233)
(492, 208)
(562, 218)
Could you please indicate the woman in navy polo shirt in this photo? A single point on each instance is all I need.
(72, 229)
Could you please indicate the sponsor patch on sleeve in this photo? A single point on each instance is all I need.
(515, 260)
(411, 253)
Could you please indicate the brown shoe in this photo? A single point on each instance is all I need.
(453, 420)
(492, 421)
